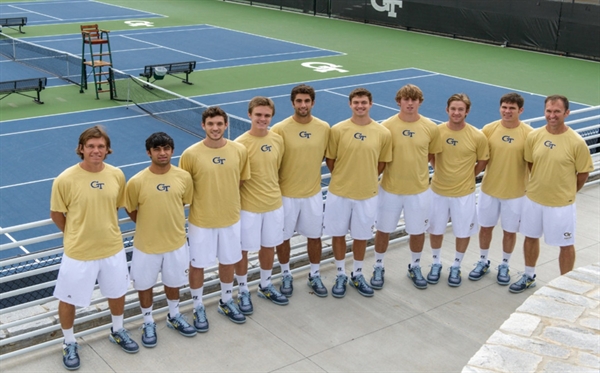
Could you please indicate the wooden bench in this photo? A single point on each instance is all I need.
(20, 86)
(14, 22)
(172, 68)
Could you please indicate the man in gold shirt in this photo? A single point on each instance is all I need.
(465, 154)
(305, 138)
(503, 185)
(84, 203)
(357, 153)
(560, 163)
(405, 183)
(218, 166)
(155, 199)
(262, 207)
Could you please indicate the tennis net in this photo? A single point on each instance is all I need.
(169, 107)
(61, 64)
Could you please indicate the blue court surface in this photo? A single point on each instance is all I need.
(69, 11)
(34, 151)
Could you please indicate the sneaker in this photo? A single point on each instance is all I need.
(273, 295)
(122, 338)
(71, 356)
(149, 338)
(503, 277)
(339, 288)
(524, 283)
(417, 278)
(245, 303)
(361, 285)
(481, 269)
(200, 320)
(287, 285)
(317, 286)
(232, 312)
(434, 274)
(184, 328)
(377, 279)
(454, 277)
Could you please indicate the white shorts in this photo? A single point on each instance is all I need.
(462, 211)
(489, 209)
(390, 207)
(343, 214)
(173, 265)
(557, 224)
(261, 229)
(77, 278)
(303, 215)
(209, 244)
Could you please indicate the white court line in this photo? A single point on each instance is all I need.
(11, 238)
(167, 48)
(128, 8)
(38, 13)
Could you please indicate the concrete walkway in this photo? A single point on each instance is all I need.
(400, 329)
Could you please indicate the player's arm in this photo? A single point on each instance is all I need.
(581, 179)
(431, 158)
(480, 166)
(133, 215)
(381, 167)
(330, 164)
(59, 219)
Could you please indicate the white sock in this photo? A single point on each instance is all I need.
(285, 268)
(483, 255)
(530, 271)
(357, 267)
(415, 260)
(437, 255)
(314, 269)
(379, 259)
(117, 323)
(147, 312)
(173, 307)
(226, 291)
(197, 296)
(242, 283)
(458, 257)
(506, 257)
(341, 266)
(69, 335)
(265, 277)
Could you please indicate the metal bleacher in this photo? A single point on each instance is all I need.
(27, 281)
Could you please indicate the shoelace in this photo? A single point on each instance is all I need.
(378, 273)
(200, 314)
(232, 307)
(149, 329)
(522, 280)
(245, 299)
(124, 335)
(316, 281)
(361, 280)
(454, 271)
(71, 350)
(339, 281)
(435, 269)
(480, 266)
(181, 320)
(287, 281)
(417, 272)
(503, 270)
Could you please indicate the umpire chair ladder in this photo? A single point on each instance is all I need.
(100, 57)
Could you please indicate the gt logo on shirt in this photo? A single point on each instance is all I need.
(305, 135)
(218, 160)
(451, 141)
(507, 139)
(360, 136)
(408, 133)
(163, 187)
(549, 144)
(96, 184)
(266, 148)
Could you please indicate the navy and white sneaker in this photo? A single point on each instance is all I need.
(273, 295)
(378, 279)
(71, 356)
(122, 338)
(417, 278)
(317, 286)
(287, 285)
(200, 320)
(149, 337)
(339, 288)
(454, 278)
(433, 277)
(232, 312)
(361, 285)
(244, 303)
(503, 277)
(180, 324)
(481, 269)
(523, 284)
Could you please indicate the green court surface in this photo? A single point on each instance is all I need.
(367, 48)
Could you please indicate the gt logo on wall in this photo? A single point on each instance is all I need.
(387, 6)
